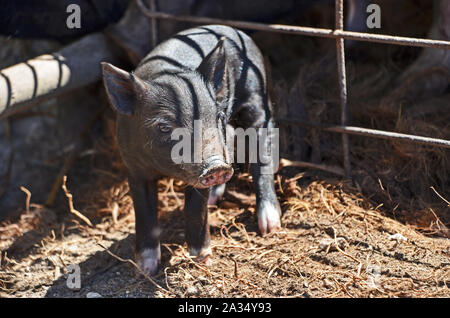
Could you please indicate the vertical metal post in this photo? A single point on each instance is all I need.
(154, 23)
(342, 85)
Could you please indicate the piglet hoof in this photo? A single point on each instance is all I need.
(269, 214)
(148, 260)
(206, 260)
(204, 256)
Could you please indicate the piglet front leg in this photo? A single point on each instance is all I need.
(145, 200)
(197, 227)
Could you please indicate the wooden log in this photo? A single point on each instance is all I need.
(28, 83)
(78, 64)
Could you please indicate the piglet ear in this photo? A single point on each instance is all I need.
(215, 70)
(124, 89)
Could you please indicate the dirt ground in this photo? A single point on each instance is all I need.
(332, 244)
(383, 235)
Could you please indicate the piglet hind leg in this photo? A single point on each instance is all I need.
(267, 205)
(198, 236)
(263, 168)
(148, 251)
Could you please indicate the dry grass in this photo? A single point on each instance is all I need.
(333, 244)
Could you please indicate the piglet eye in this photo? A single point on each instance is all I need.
(164, 128)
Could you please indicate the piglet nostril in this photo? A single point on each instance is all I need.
(217, 175)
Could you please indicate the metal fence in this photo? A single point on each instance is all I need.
(340, 35)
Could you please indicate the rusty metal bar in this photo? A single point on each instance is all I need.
(342, 79)
(299, 30)
(374, 133)
(154, 23)
(309, 165)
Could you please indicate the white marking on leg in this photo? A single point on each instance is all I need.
(268, 217)
(216, 193)
(202, 256)
(149, 259)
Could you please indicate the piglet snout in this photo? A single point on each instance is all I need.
(216, 172)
